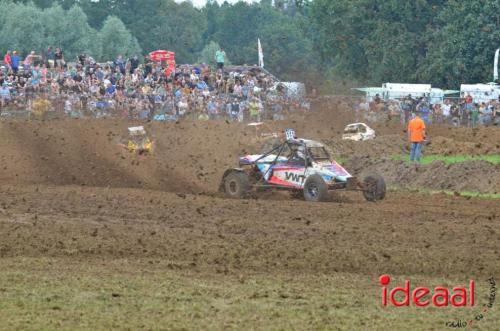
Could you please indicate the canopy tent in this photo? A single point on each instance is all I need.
(167, 56)
(161, 55)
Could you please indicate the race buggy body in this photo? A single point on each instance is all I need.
(301, 166)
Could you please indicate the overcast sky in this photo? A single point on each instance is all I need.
(200, 3)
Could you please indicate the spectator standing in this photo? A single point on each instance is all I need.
(134, 64)
(474, 114)
(468, 99)
(28, 61)
(406, 106)
(278, 111)
(120, 63)
(220, 58)
(416, 135)
(424, 109)
(82, 58)
(437, 113)
(15, 62)
(36, 77)
(254, 108)
(212, 108)
(486, 115)
(446, 110)
(235, 110)
(59, 56)
(7, 60)
(467, 111)
(50, 57)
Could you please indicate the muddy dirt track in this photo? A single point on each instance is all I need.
(68, 189)
(406, 234)
(190, 157)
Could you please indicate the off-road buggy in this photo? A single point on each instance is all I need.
(138, 141)
(299, 165)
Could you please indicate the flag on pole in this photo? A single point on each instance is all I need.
(261, 54)
(495, 69)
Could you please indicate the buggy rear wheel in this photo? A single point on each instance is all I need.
(315, 189)
(374, 187)
(236, 185)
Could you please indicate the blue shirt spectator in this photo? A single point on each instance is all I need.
(201, 85)
(110, 89)
(15, 61)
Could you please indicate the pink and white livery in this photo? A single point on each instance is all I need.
(299, 165)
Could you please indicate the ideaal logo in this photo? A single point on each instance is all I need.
(438, 297)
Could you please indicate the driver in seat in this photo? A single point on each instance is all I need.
(298, 156)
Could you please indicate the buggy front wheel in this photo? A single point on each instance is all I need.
(374, 187)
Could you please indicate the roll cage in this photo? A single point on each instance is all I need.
(292, 147)
(289, 147)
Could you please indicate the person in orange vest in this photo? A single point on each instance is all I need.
(416, 135)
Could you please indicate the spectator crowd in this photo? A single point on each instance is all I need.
(455, 111)
(47, 84)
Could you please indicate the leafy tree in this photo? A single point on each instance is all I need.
(180, 28)
(22, 28)
(207, 55)
(287, 51)
(443, 42)
(69, 30)
(97, 11)
(374, 41)
(462, 49)
(26, 27)
(115, 39)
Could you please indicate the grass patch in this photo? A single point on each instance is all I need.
(447, 192)
(50, 294)
(341, 160)
(449, 159)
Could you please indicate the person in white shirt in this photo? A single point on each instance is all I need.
(446, 109)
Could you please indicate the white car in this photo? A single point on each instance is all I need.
(358, 132)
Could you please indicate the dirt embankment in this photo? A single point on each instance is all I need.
(187, 158)
(394, 144)
(475, 176)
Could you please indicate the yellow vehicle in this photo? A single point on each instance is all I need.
(138, 140)
(41, 107)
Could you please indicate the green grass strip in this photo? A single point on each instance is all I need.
(449, 159)
(447, 192)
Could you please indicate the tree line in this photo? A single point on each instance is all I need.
(328, 43)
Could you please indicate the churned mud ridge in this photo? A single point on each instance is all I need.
(188, 157)
(475, 175)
